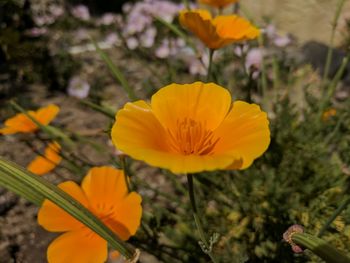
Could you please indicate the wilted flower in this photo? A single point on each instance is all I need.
(104, 192)
(20, 123)
(81, 12)
(192, 128)
(78, 88)
(219, 31)
(287, 236)
(218, 3)
(44, 164)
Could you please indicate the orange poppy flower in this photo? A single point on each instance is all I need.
(218, 3)
(45, 164)
(219, 31)
(104, 192)
(191, 128)
(21, 123)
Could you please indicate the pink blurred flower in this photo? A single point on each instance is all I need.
(78, 88)
(113, 39)
(81, 12)
(36, 31)
(132, 43)
(56, 10)
(282, 41)
(254, 58)
(107, 19)
(148, 37)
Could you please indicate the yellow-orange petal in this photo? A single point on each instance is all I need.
(218, 3)
(108, 196)
(136, 128)
(128, 213)
(53, 218)
(45, 164)
(180, 164)
(206, 103)
(245, 131)
(199, 22)
(46, 114)
(232, 28)
(78, 246)
(21, 123)
(104, 186)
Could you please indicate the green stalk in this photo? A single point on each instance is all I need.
(116, 72)
(197, 220)
(210, 66)
(336, 213)
(104, 110)
(320, 247)
(173, 28)
(340, 5)
(36, 189)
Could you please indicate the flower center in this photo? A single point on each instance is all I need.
(192, 137)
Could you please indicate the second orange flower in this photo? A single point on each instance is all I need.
(220, 31)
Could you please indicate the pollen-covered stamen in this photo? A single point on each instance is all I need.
(192, 137)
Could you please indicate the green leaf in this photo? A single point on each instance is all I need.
(36, 189)
(320, 247)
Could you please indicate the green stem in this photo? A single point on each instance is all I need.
(320, 247)
(336, 213)
(196, 218)
(209, 73)
(340, 5)
(236, 8)
(124, 168)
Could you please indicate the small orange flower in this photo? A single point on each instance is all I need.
(45, 164)
(21, 123)
(328, 114)
(219, 31)
(191, 128)
(218, 3)
(104, 192)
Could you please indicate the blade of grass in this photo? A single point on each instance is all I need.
(177, 32)
(339, 8)
(320, 247)
(36, 188)
(104, 110)
(116, 72)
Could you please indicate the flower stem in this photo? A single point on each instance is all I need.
(209, 73)
(334, 216)
(124, 168)
(236, 8)
(339, 8)
(197, 220)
